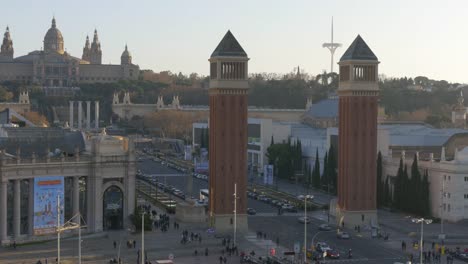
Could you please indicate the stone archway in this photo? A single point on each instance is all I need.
(113, 208)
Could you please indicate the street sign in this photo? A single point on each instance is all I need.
(297, 247)
(171, 256)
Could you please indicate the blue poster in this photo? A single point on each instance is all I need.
(46, 191)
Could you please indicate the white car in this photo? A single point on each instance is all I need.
(322, 247)
(303, 220)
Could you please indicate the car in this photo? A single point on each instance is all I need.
(343, 235)
(324, 227)
(333, 254)
(322, 247)
(251, 211)
(304, 220)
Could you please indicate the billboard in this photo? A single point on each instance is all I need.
(268, 174)
(46, 191)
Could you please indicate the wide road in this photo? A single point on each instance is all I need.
(148, 166)
(365, 250)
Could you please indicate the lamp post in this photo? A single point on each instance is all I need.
(143, 237)
(305, 226)
(422, 221)
(235, 213)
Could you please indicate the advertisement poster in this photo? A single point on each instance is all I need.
(268, 174)
(46, 191)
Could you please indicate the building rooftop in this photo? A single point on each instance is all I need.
(327, 108)
(358, 50)
(229, 47)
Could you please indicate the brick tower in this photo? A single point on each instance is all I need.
(228, 134)
(358, 103)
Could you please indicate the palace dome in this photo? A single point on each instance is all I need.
(53, 40)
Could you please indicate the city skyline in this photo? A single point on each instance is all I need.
(179, 35)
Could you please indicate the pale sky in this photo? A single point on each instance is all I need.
(410, 37)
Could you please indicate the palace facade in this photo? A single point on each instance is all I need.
(52, 66)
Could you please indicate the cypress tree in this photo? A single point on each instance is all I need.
(316, 172)
(325, 176)
(387, 195)
(426, 206)
(332, 169)
(202, 138)
(398, 187)
(380, 189)
(406, 190)
(415, 202)
(272, 141)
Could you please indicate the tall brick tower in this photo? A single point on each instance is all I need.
(358, 102)
(228, 134)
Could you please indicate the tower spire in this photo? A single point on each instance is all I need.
(331, 46)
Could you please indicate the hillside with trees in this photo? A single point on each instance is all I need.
(419, 99)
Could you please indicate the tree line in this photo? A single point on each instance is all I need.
(409, 195)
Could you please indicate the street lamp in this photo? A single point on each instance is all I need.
(305, 225)
(142, 255)
(422, 221)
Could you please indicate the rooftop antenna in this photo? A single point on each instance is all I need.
(332, 46)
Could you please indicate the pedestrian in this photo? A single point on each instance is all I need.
(225, 259)
(220, 259)
(206, 252)
(115, 244)
(199, 239)
(134, 243)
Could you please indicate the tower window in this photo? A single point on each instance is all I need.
(232, 70)
(213, 70)
(364, 73)
(344, 73)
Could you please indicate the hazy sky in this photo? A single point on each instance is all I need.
(410, 38)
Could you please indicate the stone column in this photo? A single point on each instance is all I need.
(96, 114)
(80, 114)
(71, 114)
(3, 210)
(31, 207)
(88, 115)
(76, 197)
(17, 209)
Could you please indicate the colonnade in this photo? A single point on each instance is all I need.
(80, 115)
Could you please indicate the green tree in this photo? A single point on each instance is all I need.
(332, 169)
(380, 183)
(316, 171)
(398, 187)
(415, 202)
(325, 177)
(426, 208)
(202, 138)
(387, 194)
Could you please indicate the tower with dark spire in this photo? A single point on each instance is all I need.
(95, 52)
(6, 51)
(86, 50)
(228, 134)
(358, 104)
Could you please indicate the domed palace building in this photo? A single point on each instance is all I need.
(52, 66)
